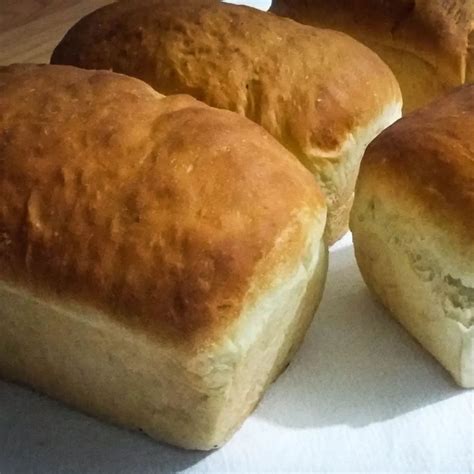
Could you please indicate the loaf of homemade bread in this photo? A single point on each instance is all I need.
(429, 44)
(413, 227)
(323, 95)
(160, 260)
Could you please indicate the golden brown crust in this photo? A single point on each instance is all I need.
(159, 210)
(233, 57)
(429, 156)
(315, 91)
(435, 30)
(470, 56)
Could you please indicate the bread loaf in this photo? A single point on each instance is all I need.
(160, 260)
(321, 94)
(413, 227)
(429, 44)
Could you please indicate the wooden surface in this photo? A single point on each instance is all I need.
(30, 29)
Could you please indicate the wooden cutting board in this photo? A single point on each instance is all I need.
(30, 29)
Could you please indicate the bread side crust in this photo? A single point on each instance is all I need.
(337, 174)
(419, 272)
(92, 362)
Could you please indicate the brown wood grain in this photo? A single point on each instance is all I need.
(30, 29)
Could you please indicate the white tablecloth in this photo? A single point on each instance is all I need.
(361, 395)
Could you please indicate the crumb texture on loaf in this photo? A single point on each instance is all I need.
(318, 92)
(412, 224)
(427, 43)
(162, 211)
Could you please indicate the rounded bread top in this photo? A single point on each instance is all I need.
(310, 88)
(439, 31)
(428, 156)
(160, 210)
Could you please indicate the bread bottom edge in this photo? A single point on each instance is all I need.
(103, 369)
(391, 276)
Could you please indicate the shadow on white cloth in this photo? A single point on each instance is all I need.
(357, 365)
(42, 436)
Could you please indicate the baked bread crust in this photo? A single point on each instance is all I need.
(160, 260)
(438, 33)
(321, 94)
(160, 210)
(412, 224)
